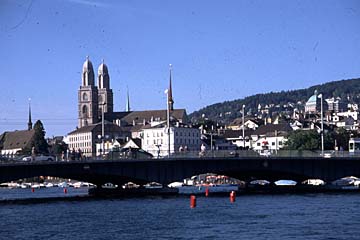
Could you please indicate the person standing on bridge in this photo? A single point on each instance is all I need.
(33, 154)
(79, 154)
(72, 154)
(202, 150)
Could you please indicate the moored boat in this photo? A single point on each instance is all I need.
(211, 183)
(211, 188)
(153, 185)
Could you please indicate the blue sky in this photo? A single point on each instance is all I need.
(220, 50)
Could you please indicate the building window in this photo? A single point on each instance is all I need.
(85, 111)
(85, 97)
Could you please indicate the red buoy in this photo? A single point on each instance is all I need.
(206, 192)
(65, 190)
(32, 189)
(232, 196)
(192, 201)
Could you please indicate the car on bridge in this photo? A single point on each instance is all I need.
(41, 157)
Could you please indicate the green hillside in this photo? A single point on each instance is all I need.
(227, 111)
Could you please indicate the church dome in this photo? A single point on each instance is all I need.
(103, 70)
(313, 98)
(87, 66)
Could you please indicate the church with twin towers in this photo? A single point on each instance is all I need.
(92, 100)
(96, 99)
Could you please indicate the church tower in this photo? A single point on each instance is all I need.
(170, 97)
(29, 122)
(87, 97)
(105, 98)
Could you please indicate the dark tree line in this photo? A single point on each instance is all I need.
(229, 110)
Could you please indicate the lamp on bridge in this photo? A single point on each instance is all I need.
(322, 124)
(102, 128)
(243, 126)
(100, 139)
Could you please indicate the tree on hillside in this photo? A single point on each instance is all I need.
(39, 142)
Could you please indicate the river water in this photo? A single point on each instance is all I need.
(307, 216)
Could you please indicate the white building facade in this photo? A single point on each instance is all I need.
(182, 138)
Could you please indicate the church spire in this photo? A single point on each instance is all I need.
(170, 98)
(127, 102)
(29, 122)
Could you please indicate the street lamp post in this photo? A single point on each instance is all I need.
(322, 124)
(102, 129)
(211, 138)
(243, 127)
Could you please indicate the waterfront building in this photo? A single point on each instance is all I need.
(236, 138)
(354, 145)
(14, 142)
(85, 138)
(272, 136)
(182, 137)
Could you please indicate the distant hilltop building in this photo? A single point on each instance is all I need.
(336, 105)
(313, 104)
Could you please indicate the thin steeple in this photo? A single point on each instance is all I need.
(127, 102)
(170, 97)
(29, 122)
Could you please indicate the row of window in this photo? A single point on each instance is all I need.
(79, 138)
(155, 142)
(187, 141)
(158, 134)
(161, 134)
(177, 141)
(80, 145)
(272, 143)
(187, 134)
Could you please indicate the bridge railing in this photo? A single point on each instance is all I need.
(199, 154)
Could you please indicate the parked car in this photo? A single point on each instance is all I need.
(41, 157)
